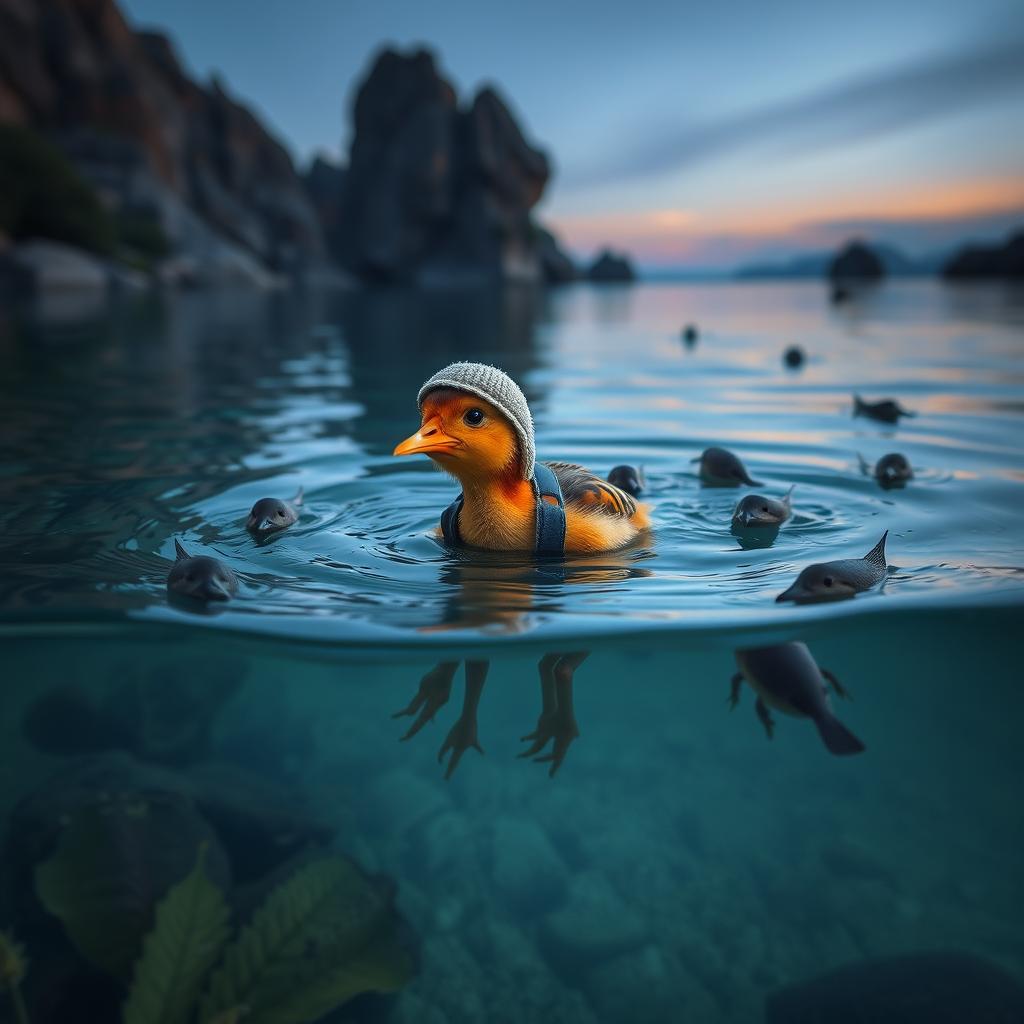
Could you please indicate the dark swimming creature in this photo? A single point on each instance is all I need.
(794, 357)
(787, 678)
(832, 581)
(885, 411)
(628, 479)
(755, 510)
(690, 335)
(200, 577)
(720, 468)
(893, 470)
(269, 515)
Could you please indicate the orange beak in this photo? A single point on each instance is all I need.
(430, 438)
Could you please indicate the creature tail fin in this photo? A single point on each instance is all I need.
(836, 736)
(179, 552)
(788, 496)
(877, 554)
(297, 500)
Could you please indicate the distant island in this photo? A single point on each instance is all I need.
(989, 261)
(858, 260)
(819, 264)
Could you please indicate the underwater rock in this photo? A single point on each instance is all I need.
(164, 714)
(445, 847)
(65, 721)
(919, 988)
(526, 871)
(115, 858)
(171, 711)
(594, 924)
(848, 860)
(637, 986)
(401, 799)
(261, 823)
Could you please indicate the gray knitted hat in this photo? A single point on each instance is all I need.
(498, 388)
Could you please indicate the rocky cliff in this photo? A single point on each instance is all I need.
(151, 141)
(435, 191)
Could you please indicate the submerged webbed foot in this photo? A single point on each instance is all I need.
(462, 734)
(460, 738)
(435, 689)
(557, 721)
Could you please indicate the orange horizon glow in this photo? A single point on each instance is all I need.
(679, 232)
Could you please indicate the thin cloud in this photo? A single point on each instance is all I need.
(853, 111)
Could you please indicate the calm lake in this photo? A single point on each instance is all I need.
(679, 865)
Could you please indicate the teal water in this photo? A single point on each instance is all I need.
(679, 865)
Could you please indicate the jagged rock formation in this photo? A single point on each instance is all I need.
(988, 261)
(435, 192)
(151, 140)
(611, 266)
(856, 262)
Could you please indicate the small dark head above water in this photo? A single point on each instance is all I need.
(720, 468)
(885, 410)
(629, 479)
(755, 510)
(794, 357)
(200, 577)
(269, 515)
(893, 470)
(690, 335)
(833, 581)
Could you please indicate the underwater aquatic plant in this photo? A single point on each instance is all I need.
(189, 933)
(12, 970)
(323, 936)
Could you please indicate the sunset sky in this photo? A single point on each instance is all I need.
(693, 136)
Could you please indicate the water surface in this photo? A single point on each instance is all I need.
(680, 865)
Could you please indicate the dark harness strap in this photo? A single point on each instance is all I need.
(550, 517)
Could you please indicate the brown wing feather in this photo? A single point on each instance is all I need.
(581, 487)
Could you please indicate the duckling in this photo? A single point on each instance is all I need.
(892, 470)
(476, 426)
(479, 430)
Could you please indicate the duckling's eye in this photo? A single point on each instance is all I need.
(827, 581)
(764, 508)
(474, 417)
(190, 578)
